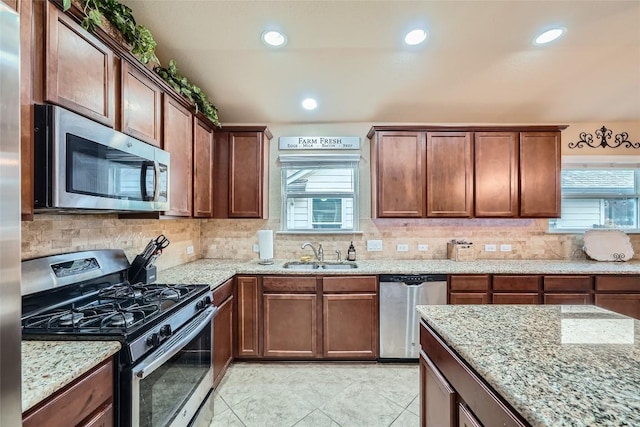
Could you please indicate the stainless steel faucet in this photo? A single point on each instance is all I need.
(318, 253)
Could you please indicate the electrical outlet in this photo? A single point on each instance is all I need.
(423, 247)
(402, 247)
(374, 245)
(505, 248)
(489, 248)
(189, 250)
(256, 248)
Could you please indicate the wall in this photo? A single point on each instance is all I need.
(51, 234)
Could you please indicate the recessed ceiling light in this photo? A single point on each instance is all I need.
(415, 37)
(309, 104)
(549, 36)
(274, 38)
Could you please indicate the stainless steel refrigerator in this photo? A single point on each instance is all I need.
(10, 300)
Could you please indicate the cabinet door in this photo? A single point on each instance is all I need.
(79, 69)
(627, 304)
(141, 106)
(496, 174)
(466, 418)
(449, 174)
(247, 301)
(469, 298)
(350, 326)
(222, 340)
(178, 140)
(437, 397)
(220, 174)
(27, 44)
(102, 418)
(540, 174)
(290, 325)
(202, 170)
(400, 181)
(469, 282)
(571, 299)
(246, 168)
(515, 298)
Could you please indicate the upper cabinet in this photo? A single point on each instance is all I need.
(79, 72)
(202, 169)
(399, 159)
(540, 174)
(141, 106)
(178, 141)
(465, 171)
(449, 174)
(241, 172)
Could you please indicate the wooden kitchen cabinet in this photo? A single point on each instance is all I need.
(398, 163)
(469, 298)
(466, 418)
(449, 174)
(202, 169)
(178, 141)
(469, 289)
(87, 401)
(141, 106)
(290, 316)
(222, 331)
(619, 293)
(567, 299)
(567, 289)
(241, 172)
(247, 309)
(516, 289)
(79, 71)
(350, 317)
(540, 174)
(437, 397)
(496, 174)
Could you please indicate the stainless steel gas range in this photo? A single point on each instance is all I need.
(164, 368)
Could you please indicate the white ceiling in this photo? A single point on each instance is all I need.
(478, 65)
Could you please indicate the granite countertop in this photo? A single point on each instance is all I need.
(556, 365)
(217, 271)
(47, 366)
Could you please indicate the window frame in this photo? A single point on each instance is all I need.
(600, 163)
(320, 161)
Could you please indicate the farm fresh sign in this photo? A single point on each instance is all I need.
(319, 142)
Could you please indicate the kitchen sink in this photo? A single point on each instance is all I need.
(299, 265)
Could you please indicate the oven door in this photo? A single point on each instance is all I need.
(169, 385)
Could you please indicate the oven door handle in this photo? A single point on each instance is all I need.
(176, 343)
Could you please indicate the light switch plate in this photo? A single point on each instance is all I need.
(402, 247)
(505, 248)
(423, 247)
(374, 245)
(189, 250)
(489, 248)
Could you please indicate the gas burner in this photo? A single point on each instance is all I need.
(70, 319)
(119, 320)
(122, 291)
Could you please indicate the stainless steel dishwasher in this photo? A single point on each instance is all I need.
(399, 322)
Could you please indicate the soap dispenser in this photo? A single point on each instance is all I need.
(351, 253)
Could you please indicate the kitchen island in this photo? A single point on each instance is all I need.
(531, 365)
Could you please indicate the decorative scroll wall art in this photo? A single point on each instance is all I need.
(604, 135)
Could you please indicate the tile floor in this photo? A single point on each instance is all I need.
(321, 394)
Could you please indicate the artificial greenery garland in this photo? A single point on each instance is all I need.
(143, 46)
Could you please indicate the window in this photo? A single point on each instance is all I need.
(599, 196)
(320, 193)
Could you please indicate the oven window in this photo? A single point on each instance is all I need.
(165, 391)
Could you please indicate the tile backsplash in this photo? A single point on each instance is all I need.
(234, 238)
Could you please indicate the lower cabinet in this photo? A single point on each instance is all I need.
(627, 304)
(88, 401)
(350, 327)
(290, 325)
(469, 289)
(515, 289)
(222, 331)
(247, 297)
(437, 397)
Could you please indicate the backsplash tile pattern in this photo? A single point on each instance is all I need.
(54, 234)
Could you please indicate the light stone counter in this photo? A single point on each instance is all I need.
(217, 271)
(556, 365)
(47, 366)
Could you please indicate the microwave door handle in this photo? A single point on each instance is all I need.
(156, 181)
(143, 179)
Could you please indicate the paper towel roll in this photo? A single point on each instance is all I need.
(265, 245)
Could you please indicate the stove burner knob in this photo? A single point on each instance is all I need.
(203, 303)
(165, 331)
(153, 340)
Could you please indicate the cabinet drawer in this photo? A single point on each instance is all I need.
(469, 298)
(350, 284)
(572, 299)
(289, 284)
(222, 292)
(516, 298)
(516, 283)
(478, 283)
(75, 403)
(567, 283)
(618, 283)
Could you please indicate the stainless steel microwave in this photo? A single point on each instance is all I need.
(81, 165)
